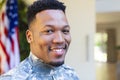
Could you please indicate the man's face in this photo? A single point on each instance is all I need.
(49, 36)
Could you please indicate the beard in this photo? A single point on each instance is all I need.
(56, 64)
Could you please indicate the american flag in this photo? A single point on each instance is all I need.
(9, 46)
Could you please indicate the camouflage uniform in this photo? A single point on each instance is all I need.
(34, 69)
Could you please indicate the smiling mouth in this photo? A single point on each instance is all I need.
(59, 51)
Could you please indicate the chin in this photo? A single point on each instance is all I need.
(56, 64)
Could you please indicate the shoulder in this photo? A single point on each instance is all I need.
(8, 75)
(5, 77)
(71, 72)
(67, 67)
(20, 72)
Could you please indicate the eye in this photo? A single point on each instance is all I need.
(49, 31)
(66, 31)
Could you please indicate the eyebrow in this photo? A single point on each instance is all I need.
(53, 26)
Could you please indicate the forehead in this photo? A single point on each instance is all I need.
(51, 15)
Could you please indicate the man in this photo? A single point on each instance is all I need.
(49, 37)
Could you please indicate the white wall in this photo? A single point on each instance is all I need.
(81, 17)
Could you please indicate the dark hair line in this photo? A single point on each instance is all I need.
(41, 5)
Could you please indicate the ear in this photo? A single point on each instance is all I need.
(29, 36)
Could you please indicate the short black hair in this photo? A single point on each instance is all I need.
(41, 5)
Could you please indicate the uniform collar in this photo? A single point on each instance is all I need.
(35, 57)
(36, 61)
(39, 66)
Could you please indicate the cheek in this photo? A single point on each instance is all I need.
(45, 39)
(44, 43)
(68, 39)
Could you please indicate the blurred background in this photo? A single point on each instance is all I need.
(95, 29)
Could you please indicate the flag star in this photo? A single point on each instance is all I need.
(15, 15)
(12, 1)
(10, 14)
(16, 23)
(13, 30)
(11, 7)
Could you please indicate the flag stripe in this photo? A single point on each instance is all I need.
(1, 70)
(12, 44)
(6, 54)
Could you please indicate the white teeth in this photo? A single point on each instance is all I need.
(57, 50)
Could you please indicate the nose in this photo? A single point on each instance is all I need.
(58, 37)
